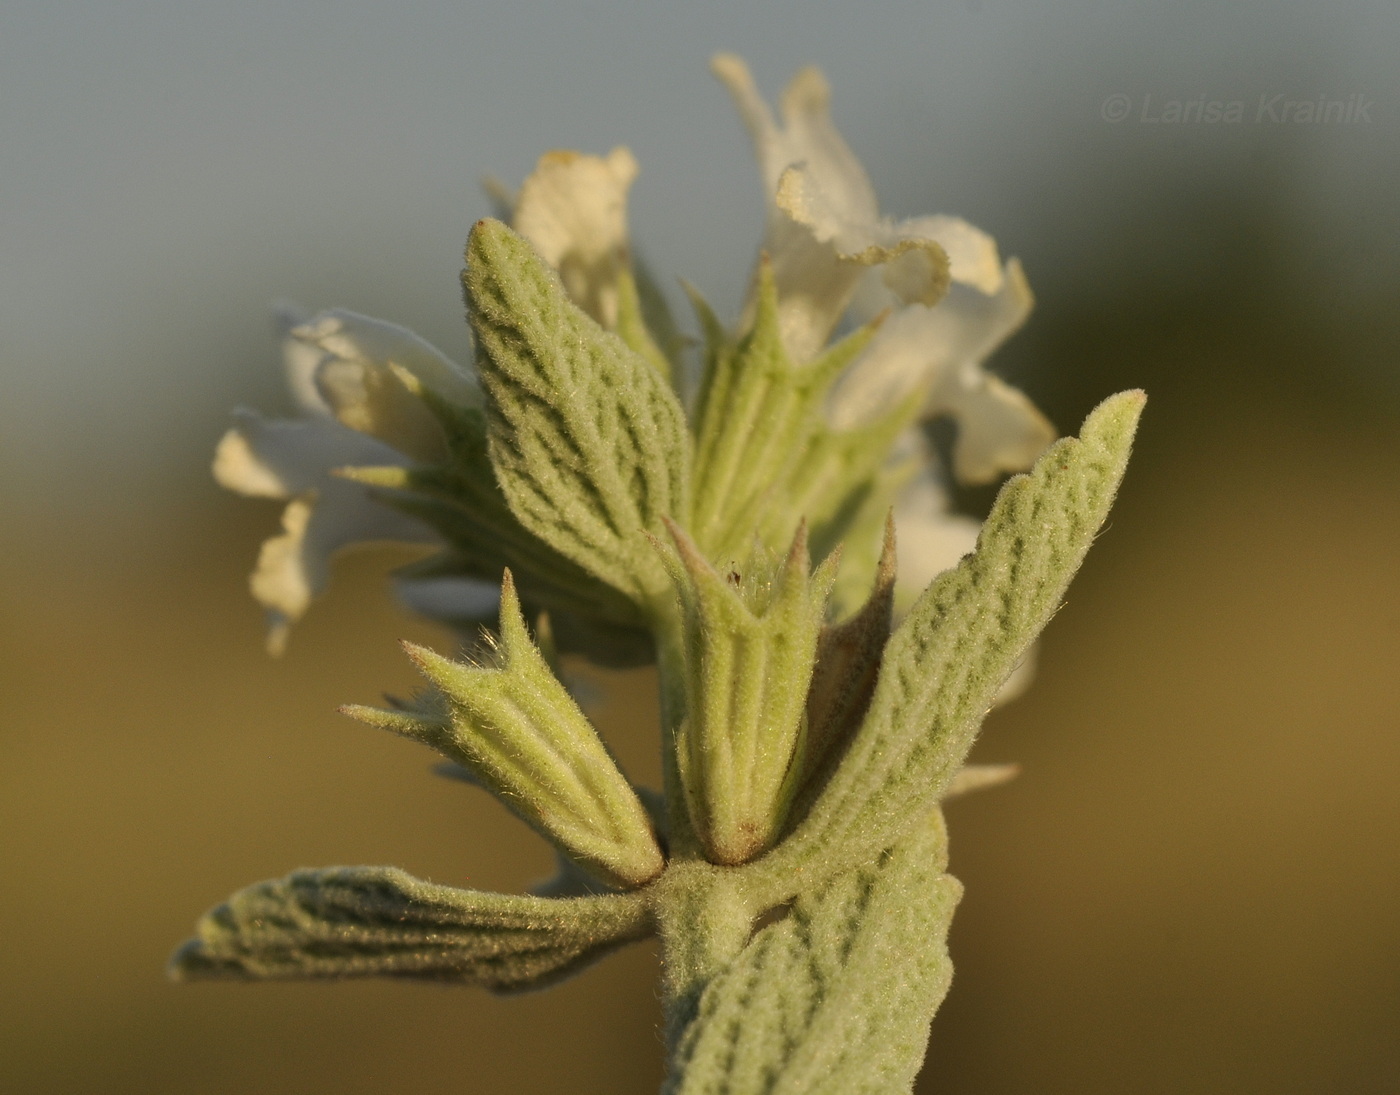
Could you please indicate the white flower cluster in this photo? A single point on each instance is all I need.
(948, 300)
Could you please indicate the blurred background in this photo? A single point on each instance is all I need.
(1195, 884)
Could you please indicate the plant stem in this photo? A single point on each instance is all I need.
(705, 916)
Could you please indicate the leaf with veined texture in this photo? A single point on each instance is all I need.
(588, 441)
(382, 922)
(836, 997)
(959, 643)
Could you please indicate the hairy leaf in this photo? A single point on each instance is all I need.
(462, 500)
(961, 640)
(836, 997)
(588, 441)
(382, 922)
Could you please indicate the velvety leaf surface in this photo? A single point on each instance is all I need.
(588, 441)
(381, 922)
(960, 642)
(837, 996)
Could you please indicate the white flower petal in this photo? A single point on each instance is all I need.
(238, 467)
(369, 374)
(931, 539)
(299, 361)
(814, 285)
(279, 458)
(999, 428)
(353, 337)
(573, 209)
(866, 242)
(807, 137)
(977, 777)
(913, 267)
(294, 567)
(972, 254)
(355, 380)
(284, 579)
(941, 350)
(824, 224)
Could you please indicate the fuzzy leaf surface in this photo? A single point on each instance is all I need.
(515, 727)
(959, 643)
(381, 922)
(588, 441)
(461, 498)
(835, 998)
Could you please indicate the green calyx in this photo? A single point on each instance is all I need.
(765, 459)
(750, 641)
(518, 731)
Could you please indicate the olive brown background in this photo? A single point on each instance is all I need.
(1194, 885)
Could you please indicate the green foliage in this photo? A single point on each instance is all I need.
(795, 869)
(520, 733)
(835, 997)
(381, 922)
(632, 325)
(588, 442)
(848, 664)
(962, 639)
(462, 500)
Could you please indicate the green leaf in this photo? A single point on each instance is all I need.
(571, 880)
(462, 500)
(660, 323)
(588, 442)
(960, 642)
(749, 641)
(844, 483)
(836, 997)
(520, 733)
(381, 922)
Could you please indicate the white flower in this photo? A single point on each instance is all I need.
(573, 209)
(948, 300)
(351, 378)
(824, 224)
(354, 380)
(825, 229)
(941, 350)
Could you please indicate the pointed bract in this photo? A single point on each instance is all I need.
(515, 727)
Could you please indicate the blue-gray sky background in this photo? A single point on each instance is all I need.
(166, 170)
